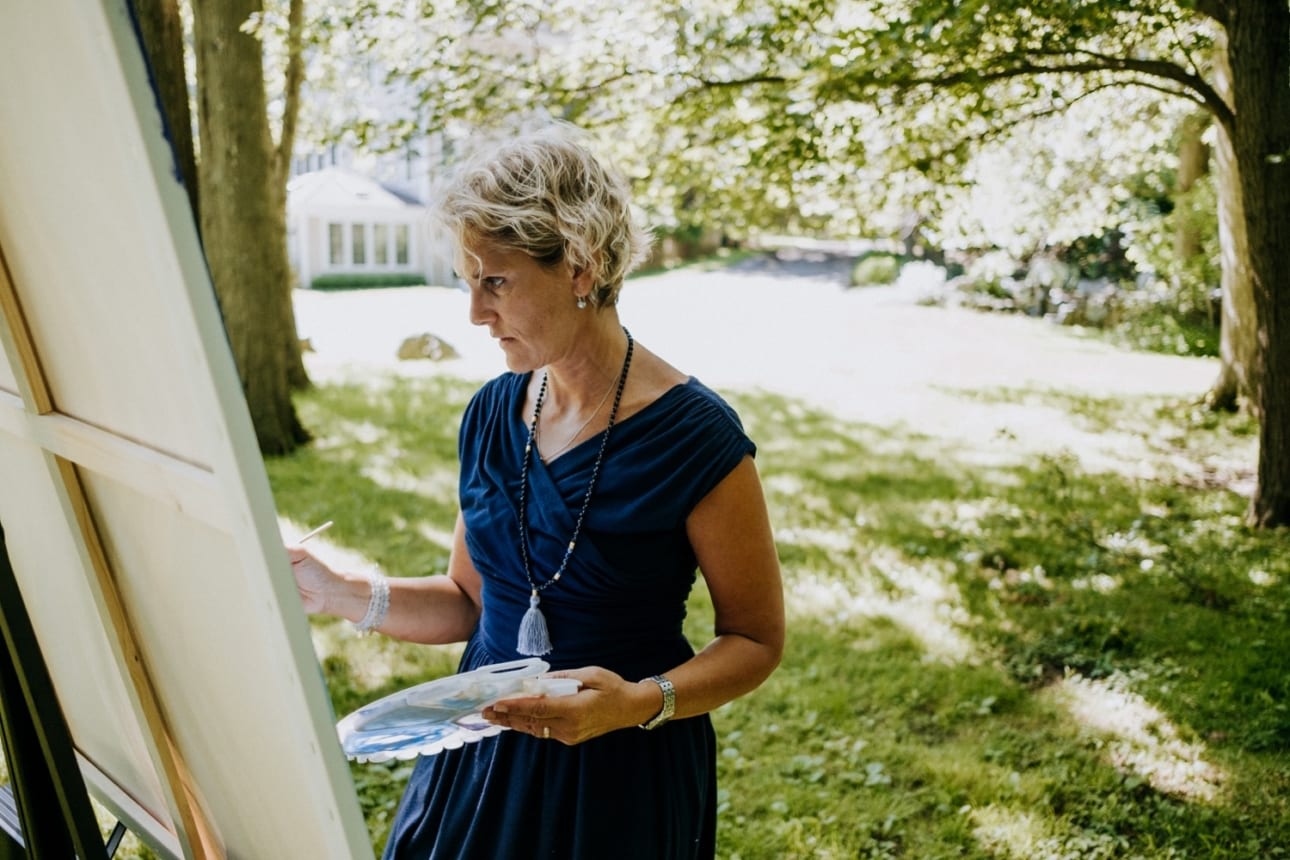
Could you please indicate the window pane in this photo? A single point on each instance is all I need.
(401, 244)
(360, 245)
(335, 244)
(381, 244)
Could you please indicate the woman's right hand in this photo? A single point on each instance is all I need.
(314, 580)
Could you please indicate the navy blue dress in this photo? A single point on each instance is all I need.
(619, 605)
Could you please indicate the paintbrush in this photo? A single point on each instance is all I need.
(322, 528)
(313, 533)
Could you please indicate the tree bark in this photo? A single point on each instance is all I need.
(1258, 32)
(1237, 383)
(163, 41)
(1193, 163)
(243, 225)
(297, 376)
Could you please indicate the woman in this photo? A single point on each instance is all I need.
(595, 478)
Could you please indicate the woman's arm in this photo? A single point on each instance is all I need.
(427, 609)
(731, 535)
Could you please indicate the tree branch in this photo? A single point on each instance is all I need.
(1172, 72)
(1044, 113)
(754, 80)
(1008, 126)
(1161, 88)
(591, 88)
(1026, 67)
(295, 76)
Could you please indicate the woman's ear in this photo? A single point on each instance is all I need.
(582, 277)
(583, 282)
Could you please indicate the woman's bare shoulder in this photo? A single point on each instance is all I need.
(649, 379)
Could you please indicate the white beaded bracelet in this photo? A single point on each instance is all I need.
(378, 606)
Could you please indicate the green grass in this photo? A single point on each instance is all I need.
(1019, 660)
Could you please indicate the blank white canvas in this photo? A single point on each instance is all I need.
(106, 265)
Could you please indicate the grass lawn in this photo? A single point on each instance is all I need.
(1020, 661)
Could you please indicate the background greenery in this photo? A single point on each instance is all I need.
(362, 280)
(1021, 661)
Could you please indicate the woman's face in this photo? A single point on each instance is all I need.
(527, 307)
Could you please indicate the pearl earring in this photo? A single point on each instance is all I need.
(582, 302)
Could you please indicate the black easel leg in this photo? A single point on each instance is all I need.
(114, 839)
(53, 805)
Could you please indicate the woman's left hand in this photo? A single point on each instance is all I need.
(605, 703)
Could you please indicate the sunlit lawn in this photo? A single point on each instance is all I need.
(1018, 661)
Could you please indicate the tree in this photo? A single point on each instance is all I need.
(806, 113)
(162, 30)
(1258, 32)
(242, 174)
(968, 70)
(240, 181)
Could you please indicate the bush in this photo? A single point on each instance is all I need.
(367, 280)
(1160, 328)
(876, 268)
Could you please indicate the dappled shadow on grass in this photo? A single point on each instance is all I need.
(383, 466)
(1014, 660)
(1171, 439)
(1135, 623)
(860, 746)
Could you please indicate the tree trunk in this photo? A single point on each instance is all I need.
(243, 225)
(163, 41)
(1238, 341)
(297, 377)
(1193, 163)
(1258, 32)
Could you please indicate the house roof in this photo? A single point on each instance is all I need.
(338, 188)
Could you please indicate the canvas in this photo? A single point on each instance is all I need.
(134, 501)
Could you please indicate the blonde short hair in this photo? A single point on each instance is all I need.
(546, 194)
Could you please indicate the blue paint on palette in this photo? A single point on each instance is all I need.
(367, 743)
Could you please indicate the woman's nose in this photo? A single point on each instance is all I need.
(480, 311)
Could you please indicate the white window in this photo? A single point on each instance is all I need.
(335, 244)
(381, 244)
(401, 244)
(359, 232)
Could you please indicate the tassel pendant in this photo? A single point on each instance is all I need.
(534, 639)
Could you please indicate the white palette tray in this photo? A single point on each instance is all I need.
(444, 713)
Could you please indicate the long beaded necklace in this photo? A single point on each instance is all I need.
(534, 638)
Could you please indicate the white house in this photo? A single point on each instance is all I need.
(342, 222)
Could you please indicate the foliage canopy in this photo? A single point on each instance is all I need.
(844, 118)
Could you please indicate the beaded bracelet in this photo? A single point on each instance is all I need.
(377, 607)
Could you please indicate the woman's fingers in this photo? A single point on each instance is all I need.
(544, 727)
(571, 719)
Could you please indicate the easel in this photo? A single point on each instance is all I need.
(45, 812)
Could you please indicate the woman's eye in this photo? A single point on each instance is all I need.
(493, 283)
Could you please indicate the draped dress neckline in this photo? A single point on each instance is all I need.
(584, 449)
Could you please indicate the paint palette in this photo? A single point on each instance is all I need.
(444, 713)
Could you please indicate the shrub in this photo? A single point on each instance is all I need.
(1157, 327)
(876, 268)
(367, 280)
